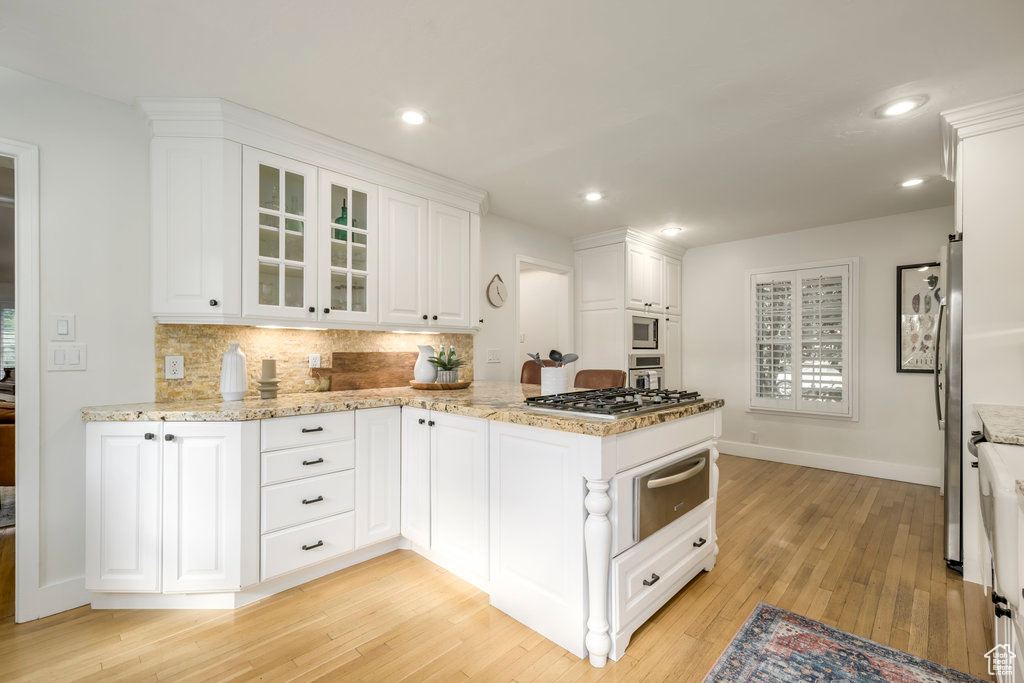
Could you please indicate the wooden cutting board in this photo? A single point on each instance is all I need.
(368, 369)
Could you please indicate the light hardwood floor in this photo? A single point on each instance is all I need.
(861, 554)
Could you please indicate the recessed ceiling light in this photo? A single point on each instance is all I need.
(413, 117)
(912, 182)
(671, 230)
(594, 196)
(901, 106)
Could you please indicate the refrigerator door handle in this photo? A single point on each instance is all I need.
(938, 364)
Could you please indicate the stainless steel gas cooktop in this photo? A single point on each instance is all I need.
(611, 404)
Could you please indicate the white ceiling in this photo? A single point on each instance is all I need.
(735, 119)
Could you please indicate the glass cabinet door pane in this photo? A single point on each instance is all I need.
(339, 205)
(358, 251)
(292, 246)
(359, 293)
(270, 242)
(293, 286)
(294, 185)
(339, 291)
(339, 252)
(358, 210)
(270, 188)
(269, 284)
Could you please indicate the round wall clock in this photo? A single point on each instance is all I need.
(497, 294)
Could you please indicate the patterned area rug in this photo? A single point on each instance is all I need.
(6, 506)
(780, 646)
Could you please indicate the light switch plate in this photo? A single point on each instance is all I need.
(174, 367)
(66, 357)
(314, 360)
(62, 327)
(493, 355)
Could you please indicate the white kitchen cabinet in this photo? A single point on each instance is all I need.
(195, 189)
(378, 474)
(122, 511)
(645, 279)
(279, 237)
(415, 512)
(672, 346)
(426, 262)
(458, 493)
(210, 492)
(672, 296)
(171, 507)
(348, 237)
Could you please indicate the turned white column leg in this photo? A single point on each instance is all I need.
(597, 535)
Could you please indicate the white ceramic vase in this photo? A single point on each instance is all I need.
(554, 380)
(424, 371)
(233, 380)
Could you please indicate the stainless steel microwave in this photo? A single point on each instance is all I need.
(645, 332)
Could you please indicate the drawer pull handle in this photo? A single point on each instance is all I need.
(309, 430)
(676, 478)
(315, 545)
(313, 462)
(308, 501)
(700, 542)
(651, 581)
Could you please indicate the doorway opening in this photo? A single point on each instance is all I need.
(8, 365)
(544, 319)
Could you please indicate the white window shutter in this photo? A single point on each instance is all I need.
(824, 344)
(772, 297)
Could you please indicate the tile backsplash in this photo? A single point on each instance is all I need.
(203, 346)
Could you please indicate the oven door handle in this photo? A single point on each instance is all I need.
(676, 478)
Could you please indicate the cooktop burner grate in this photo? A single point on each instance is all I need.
(612, 403)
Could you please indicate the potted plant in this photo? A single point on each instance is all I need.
(447, 366)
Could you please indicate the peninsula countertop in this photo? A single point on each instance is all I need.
(1002, 424)
(491, 400)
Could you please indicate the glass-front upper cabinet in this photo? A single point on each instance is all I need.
(279, 237)
(348, 268)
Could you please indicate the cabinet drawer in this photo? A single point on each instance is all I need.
(301, 546)
(668, 560)
(309, 461)
(282, 505)
(304, 430)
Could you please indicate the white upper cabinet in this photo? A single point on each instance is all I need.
(348, 238)
(644, 279)
(449, 266)
(673, 292)
(279, 246)
(403, 259)
(195, 213)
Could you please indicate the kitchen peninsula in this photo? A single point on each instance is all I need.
(211, 504)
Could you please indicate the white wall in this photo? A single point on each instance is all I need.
(896, 436)
(992, 211)
(500, 240)
(94, 263)
(544, 312)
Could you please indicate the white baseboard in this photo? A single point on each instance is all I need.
(836, 463)
(53, 598)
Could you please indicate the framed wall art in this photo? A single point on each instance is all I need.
(918, 300)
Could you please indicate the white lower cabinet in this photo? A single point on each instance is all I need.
(672, 347)
(171, 507)
(378, 474)
(445, 489)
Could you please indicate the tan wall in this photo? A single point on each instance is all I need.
(203, 346)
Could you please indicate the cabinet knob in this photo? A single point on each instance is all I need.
(214, 302)
(327, 310)
(666, 308)
(1003, 611)
(149, 436)
(430, 423)
(168, 437)
(424, 316)
(312, 309)
(435, 317)
(481, 321)
(422, 421)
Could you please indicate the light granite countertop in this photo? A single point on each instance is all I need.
(499, 401)
(1002, 424)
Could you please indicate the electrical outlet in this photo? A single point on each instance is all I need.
(753, 437)
(314, 360)
(522, 337)
(493, 355)
(174, 367)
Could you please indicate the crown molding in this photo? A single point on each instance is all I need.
(620, 235)
(214, 117)
(977, 119)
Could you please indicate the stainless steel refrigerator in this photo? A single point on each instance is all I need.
(949, 395)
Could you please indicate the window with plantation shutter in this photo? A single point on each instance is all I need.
(803, 339)
(7, 350)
